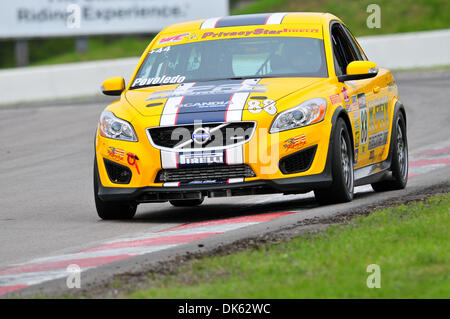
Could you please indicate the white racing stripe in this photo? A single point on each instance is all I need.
(210, 23)
(235, 155)
(275, 18)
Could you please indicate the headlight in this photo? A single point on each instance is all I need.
(113, 127)
(307, 113)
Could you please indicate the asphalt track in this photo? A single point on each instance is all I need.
(47, 207)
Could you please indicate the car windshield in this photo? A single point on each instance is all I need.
(233, 59)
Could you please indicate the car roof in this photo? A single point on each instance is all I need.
(253, 19)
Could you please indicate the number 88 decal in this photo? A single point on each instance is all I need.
(268, 105)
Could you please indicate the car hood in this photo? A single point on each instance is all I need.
(212, 100)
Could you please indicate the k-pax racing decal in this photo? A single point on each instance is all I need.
(207, 102)
(378, 122)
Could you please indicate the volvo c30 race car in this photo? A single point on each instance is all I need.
(245, 105)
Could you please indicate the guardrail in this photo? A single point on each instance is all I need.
(73, 80)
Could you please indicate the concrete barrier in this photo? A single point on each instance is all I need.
(63, 81)
(74, 80)
(408, 50)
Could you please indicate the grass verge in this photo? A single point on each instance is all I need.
(410, 243)
(396, 15)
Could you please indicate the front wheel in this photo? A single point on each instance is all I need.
(114, 209)
(341, 189)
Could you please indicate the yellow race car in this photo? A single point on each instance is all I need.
(245, 105)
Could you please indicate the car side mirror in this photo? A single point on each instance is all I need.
(113, 86)
(359, 70)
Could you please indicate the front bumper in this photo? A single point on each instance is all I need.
(292, 185)
(270, 176)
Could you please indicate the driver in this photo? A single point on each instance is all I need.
(291, 60)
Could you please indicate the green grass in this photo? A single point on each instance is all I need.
(409, 243)
(62, 50)
(100, 49)
(396, 16)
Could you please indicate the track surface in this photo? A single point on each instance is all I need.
(46, 198)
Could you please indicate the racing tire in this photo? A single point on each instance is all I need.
(112, 210)
(342, 186)
(186, 202)
(399, 164)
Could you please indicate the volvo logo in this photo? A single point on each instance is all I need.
(201, 135)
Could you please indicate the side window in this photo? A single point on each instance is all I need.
(342, 49)
(356, 48)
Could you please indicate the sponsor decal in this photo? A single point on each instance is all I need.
(357, 138)
(132, 160)
(356, 125)
(268, 105)
(348, 107)
(355, 114)
(294, 142)
(372, 155)
(354, 103)
(193, 158)
(356, 155)
(378, 139)
(175, 38)
(335, 98)
(345, 94)
(160, 50)
(363, 115)
(378, 114)
(208, 90)
(159, 80)
(116, 153)
(391, 85)
(207, 104)
(363, 149)
(257, 31)
(212, 181)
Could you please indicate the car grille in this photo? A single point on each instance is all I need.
(298, 162)
(204, 173)
(223, 135)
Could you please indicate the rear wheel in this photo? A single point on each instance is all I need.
(399, 157)
(110, 210)
(186, 202)
(341, 189)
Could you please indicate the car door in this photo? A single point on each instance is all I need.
(378, 106)
(360, 97)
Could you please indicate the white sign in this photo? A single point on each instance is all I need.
(53, 18)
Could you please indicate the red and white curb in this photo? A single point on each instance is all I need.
(429, 160)
(20, 276)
